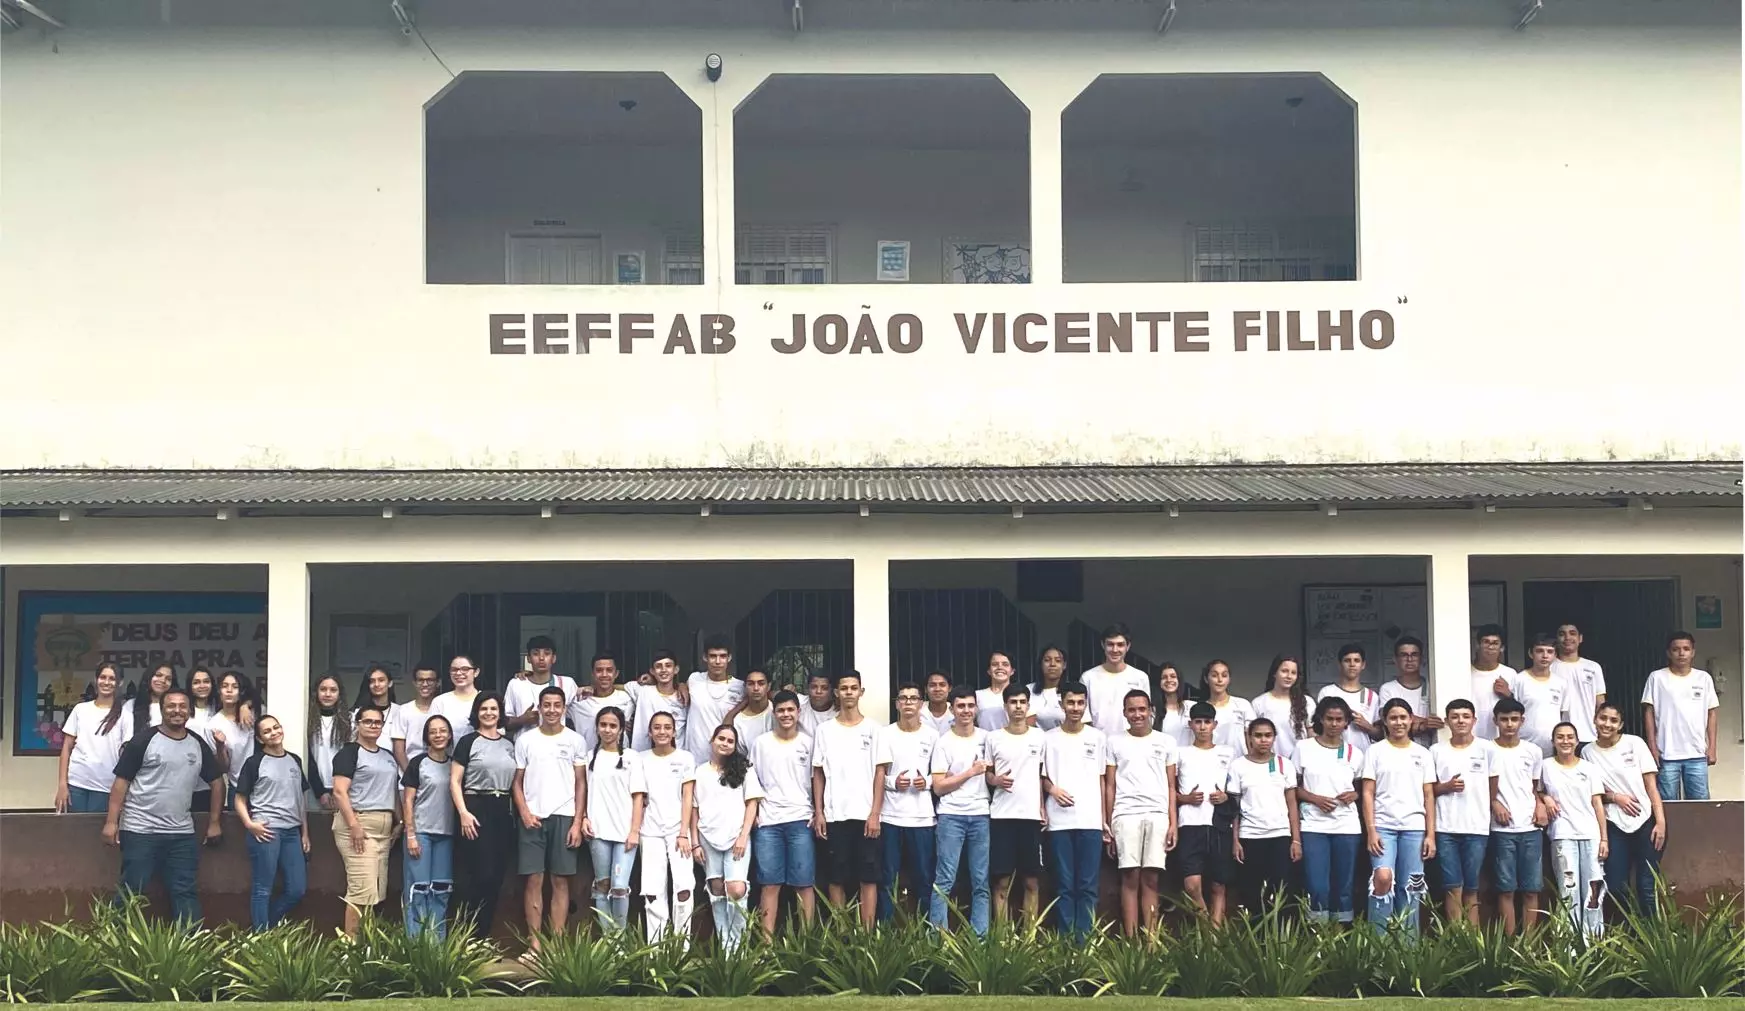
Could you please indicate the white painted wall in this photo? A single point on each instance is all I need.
(236, 216)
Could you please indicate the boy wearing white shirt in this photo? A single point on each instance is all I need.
(406, 725)
(1586, 680)
(937, 712)
(959, 768)
(1680, 719)
(1409, 684)
(1517, 817)
(663, 694)
(1141, 795)
(1463, 816)
(1268, 838)
(1075, 773)
(782, 840)
(714, 694)
(820, 707)
(1015, 810)
(845, 798)
(1491, 679)
(904, 758)
(550, 793)
(1107, 685)
(1204, 843)
(755, 717)
(601, 692)
(1542, 694)
(1363, 702)
(521, 695)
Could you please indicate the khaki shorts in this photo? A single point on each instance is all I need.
(1140, 840)
(366, 873)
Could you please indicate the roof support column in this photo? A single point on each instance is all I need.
(1450, 627)
(872, 633)
(288, 650)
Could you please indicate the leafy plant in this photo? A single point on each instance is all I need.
(151, 960)
(579, 965)
(287, 963)
(890, 961)
(1277, 954)
(660, 969)
(1555, 960)
(745, 972)
(1144, 966)
(1201, 969)
(1664, 956)
(801, 950)
(1007, 961)
(1349, 960)
(1487, 949)
(48, 964)
(383, 961)
(1411, 965)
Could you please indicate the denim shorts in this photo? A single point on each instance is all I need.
(1460, 855)
(784, 854)
(1518, 860)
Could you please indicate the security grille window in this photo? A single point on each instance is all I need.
(783, 256)
(682, 259)
(1304, 250)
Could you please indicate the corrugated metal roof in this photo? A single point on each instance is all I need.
(1235, 485)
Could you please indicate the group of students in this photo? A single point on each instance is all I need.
(723, 780)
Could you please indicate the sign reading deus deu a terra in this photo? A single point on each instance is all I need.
(997, 333)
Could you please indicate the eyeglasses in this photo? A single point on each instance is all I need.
(462, 670)
(369, 723)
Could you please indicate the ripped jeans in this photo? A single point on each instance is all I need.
(1575, 865)
(429, 883)
(612, 864)
(1402, 863)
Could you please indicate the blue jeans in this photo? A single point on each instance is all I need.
(1684, 779)
(1402, 853)
(907, 848)
(612, 864)
(1460, 856)
(174, 857)
(1329, 864)
(429, 883)
(268, 860)
(1518, 861)
(1631, 862)
(785, 854)
(83, 801)
(1078, 856)
(962, 838)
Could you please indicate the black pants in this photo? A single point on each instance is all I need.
(1265, 871)
(482, 863)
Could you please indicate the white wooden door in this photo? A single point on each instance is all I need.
(553, 259)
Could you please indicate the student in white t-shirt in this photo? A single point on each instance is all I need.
(753, 717)
(1108, 684)
(1268, 837)
(1491, 679)
(724, 809)
(1286, 703)
(1234, 714)
(991, 701)
(1045, 711)
(1409, 684)
(550, 799)
(1573, 789)
(521, 694)
(903, 755)
(1400, 810)
(1141, 798)
(406, 725)
(1541, 693)
(91, 740)
(612, 825)
(667, 868)
(937, 712)
(1174, 699)
(1015, 809)
(1517, 819)
(662, 694)
(1327, 797)
(843, 777)
(1681, 721)
(456, 706)
(376, 690)
(601, 691)
(1637, 833)
(820, 704)
(959, 778)
(1463, 810)
(714, 696)
(782, 842)
(230, 727)
(1364, 728)
(1075, 772)
(1586, 680)
(1205, 844)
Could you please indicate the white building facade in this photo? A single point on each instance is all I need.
(381, 334)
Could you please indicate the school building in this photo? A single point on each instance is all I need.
(875, 335)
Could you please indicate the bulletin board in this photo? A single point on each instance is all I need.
(1376, 617)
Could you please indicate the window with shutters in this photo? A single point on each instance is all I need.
(1299, 250)
(681, 261)
(767, 255)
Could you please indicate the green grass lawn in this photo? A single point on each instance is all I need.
(977, 1004)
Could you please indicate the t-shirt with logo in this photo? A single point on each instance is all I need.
(521, 696)
(1400, 775)
(907, 754)
(487, 763)
(1587, 682)
(163, 774)
(665, 776)
(1077, 764)
(1045, 708)
(1231, 731)
(1623, 765)
(1545, 701)
(1485, 698)
(273, 787)
(548, 764)
(1469, 811)
(432, 803)
(1516, 769)
(1364, 702)
(646, 700)
(721, 808)
(374, 775)
(1106, 697)
(711, 701)
(614, 779)
(784, 772)
(1418, 698)
(1278, 710)
(845, 754)
(952, 755)
(1261, 787)
(1574, 787)
(1204, 770)
(582, 714)
(1681, 712)
(1142, 773)
(1329, 772)
(1018, 756)
(92, 763)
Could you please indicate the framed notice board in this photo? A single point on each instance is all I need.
(1376, 617)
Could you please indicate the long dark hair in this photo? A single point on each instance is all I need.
(1299, 697)
(622, 733)
(115, 704)
(364, 698)
(1205, 693)
(1037, 685)
(735, 766)
(341, 733)
(142, 697)
(211, 705)
(244, 692)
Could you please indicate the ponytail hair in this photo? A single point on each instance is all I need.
(623, 732)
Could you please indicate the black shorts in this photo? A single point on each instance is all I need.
(852, 858)
(1014, 845)
(1203, 851)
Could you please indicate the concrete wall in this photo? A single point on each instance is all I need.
(236, 214)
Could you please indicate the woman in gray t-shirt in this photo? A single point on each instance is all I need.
(482, 774)
(269, 803)
(366, 790)
(427, 807)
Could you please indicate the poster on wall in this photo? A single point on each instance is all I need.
(63, 636)
(1376, 617)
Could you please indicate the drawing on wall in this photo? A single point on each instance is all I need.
(893, 259)
(968, 262)
(1708, 611)
(1376, 617)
